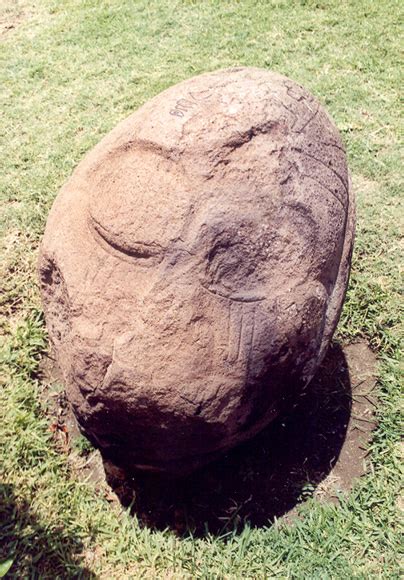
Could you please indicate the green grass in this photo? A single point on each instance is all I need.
(69, 72)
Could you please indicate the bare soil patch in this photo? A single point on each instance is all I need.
(12, 13)
(319, 448)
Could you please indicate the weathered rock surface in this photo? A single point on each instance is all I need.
(193, 268)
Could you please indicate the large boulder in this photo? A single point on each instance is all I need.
(194, 266)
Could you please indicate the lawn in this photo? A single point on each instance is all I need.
(70, 70)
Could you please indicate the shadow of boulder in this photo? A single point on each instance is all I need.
(260, 480)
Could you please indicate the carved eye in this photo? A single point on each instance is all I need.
(249, 260)
(134, 211)
(231, 266)
(147, 253)
(234, 264)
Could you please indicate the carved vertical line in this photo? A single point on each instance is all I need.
(228, 331)
(235, 330)
(240, 331)
(250, 343)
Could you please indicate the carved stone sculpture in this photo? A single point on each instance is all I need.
(194, 266)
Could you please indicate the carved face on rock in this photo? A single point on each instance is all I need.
(194, 267)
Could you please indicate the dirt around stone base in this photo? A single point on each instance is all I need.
(320, 448)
